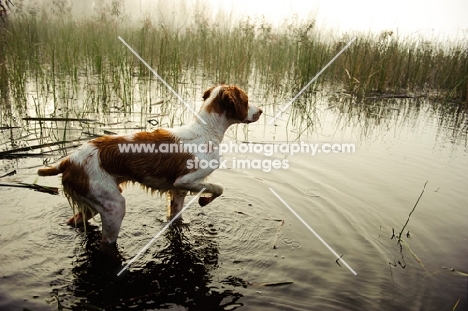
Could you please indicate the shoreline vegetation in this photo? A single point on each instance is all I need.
(55, 56)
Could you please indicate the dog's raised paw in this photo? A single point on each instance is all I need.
(204, 200)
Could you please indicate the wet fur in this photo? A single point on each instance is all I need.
(93, 176)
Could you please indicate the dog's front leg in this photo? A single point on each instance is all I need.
(176, 203)
(185, 183)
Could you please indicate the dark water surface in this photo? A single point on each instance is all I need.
(223, 255)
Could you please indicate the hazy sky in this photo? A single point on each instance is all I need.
(432, 18)
(407, 16)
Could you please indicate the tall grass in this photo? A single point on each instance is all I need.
(383, 63)
(58, 58)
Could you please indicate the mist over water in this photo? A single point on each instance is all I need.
(434, 20)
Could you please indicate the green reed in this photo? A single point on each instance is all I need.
(388, 64)
(57, 52)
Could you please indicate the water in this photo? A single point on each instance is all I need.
(224, 254)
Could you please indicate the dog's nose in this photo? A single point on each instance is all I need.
(260, 111)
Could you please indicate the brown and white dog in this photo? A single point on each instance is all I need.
(93, 174)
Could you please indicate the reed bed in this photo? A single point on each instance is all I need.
(53, 58)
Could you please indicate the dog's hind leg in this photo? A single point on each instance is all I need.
(79, 219)
(168, 203)
(112, 213)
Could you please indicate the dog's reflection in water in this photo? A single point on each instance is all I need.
(174, 271)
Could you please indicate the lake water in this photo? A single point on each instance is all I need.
(223, 255)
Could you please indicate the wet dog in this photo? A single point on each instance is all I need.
(92, 176)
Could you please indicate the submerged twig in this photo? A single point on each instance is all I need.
(457, 271)
(414, 207)
(272, 219)
(338, 260)
(32, 155)
(9, 174)
(415, 257)
(39, 146)
(276, 283)
(45, 189)
(58, 119)
(9, 127)
(277, 233)
(402, 242)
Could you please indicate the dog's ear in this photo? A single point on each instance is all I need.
(235, 102)
(207, 93)
(230, 100)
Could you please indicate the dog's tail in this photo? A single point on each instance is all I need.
(54, 170)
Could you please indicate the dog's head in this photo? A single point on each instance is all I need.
(232, 102)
